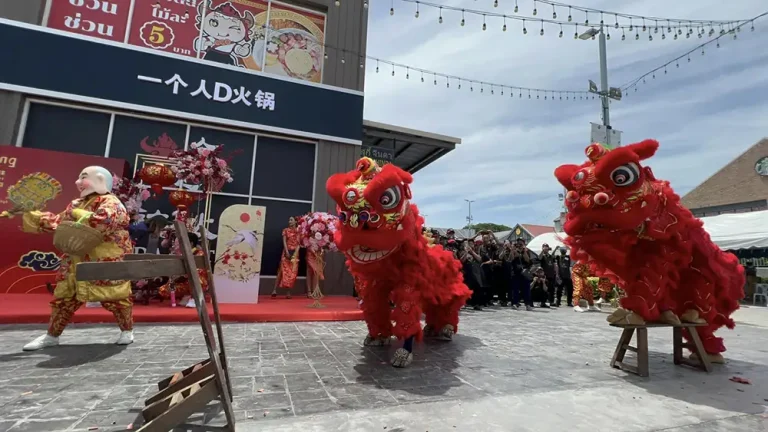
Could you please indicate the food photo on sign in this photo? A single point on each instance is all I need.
(43, 180)
(295, 43)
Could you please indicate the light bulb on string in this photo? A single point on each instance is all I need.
(554, 12)
(377, 66)
(689, 59)
(365, 4)
(601, 19)
(576, 33)
(650, 37)
(535, 11)
(735, 36)
(665, 70)
(623, 35)
(422, 77)
(440, 20)
(663, 35)
(462, 18)
(481, 88)
(616, 26)
(471, 87)
(570, 17)
(343, 61)
(607, 34)
(529, 94)
(504, 28)
(637, 36)
(407, 73)
(447, 83)
(718, 43)
(484, 25)
(516, 8)
(393, 70)
(495, 3)
(338, 3)
(416, 15)
(586, 18)
(752, 26)
(525, 30)
(677, 64)
(593, 37)
(702, 51)
(459, 84)
(541, 32)
(325, 56)
(561, 31)
(520, 95)
(644, 27)
(675, 36)
(631, 26)
(656, 27)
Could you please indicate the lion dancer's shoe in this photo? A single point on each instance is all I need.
(404, 356)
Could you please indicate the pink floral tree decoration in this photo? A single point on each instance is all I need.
(132, 193)
(316, 231)
(202, 164)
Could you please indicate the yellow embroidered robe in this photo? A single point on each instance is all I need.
(108, 215)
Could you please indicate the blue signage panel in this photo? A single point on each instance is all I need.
(49, 62)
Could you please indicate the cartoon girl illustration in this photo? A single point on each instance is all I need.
(226, 33)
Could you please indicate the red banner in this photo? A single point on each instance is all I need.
(99, 18)
(167, 25)
(28, 261)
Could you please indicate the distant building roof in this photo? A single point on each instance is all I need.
(736, 182)
(537, 230)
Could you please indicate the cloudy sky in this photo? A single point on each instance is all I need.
(704, 113)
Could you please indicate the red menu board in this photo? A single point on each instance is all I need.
(28, 261)
(168, 25)
(99, 18)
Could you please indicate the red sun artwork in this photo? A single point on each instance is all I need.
(245, 217)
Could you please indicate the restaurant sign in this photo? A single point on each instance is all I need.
(382, 156)
(101, 72)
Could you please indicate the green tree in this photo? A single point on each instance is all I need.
(488, 226)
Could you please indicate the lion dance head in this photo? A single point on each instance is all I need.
(375, 213)
(611, 191)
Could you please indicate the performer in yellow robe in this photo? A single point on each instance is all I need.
(99, 209)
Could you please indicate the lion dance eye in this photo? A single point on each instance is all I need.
(572, 196)
(390, 198)
(625, 175)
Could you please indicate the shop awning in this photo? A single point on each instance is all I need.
(732, 231)
(410, 149)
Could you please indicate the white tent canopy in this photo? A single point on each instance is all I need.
(729, 231)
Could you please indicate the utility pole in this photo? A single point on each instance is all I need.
(606, 93)
(469, 212)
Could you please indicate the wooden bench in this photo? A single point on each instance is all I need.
(190, 390)
(641, 368)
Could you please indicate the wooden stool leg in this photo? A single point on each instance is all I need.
(642, 352)
(703, 357)
(621, 348)
(677, 345)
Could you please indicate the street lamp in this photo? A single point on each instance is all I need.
(469, 212)
(604, 92)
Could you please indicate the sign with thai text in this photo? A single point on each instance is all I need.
(382, 156)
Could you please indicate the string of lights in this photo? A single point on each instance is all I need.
(633, 84)
(661, 27)
(344, 55)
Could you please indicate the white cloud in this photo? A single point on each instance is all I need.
(704, 113)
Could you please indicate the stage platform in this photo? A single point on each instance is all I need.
(34, 309)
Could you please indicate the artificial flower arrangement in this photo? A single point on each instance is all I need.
(316, 231)
(132, 193)
(202, 164)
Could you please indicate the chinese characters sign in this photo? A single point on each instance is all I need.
(168, 85)
(233, 32)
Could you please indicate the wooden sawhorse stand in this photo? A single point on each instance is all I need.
(188, 391)
(641, 368)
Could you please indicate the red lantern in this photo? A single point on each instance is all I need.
(181, 199)
(157, 176)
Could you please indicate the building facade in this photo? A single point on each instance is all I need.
(738, 187)
(130, 78)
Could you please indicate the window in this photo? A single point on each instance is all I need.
(277, 215)
(284, 169)
(238, 150)
(132, 136)
(51, 127)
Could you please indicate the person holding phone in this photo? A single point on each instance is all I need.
(521, 264)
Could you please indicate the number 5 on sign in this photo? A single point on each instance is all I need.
(156, 36)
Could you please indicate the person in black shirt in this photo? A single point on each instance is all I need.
(470, 266)
(488, 253)
(520, 259)
(549, 267)
(540, 288)
(565, 283)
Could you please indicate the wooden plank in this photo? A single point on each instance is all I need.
(161, 405)
(202, 312)
(129, 270)
(677, 345)
(618, 354)
(642, 352)
(700, 352)
(656, 325)
(166, 382)
(215, 302)
(199, 260)
(200, 374)
(177, 414)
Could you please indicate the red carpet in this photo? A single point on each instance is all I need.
(34, 309)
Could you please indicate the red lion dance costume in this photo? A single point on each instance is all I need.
(380, 234)
(626, 225)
